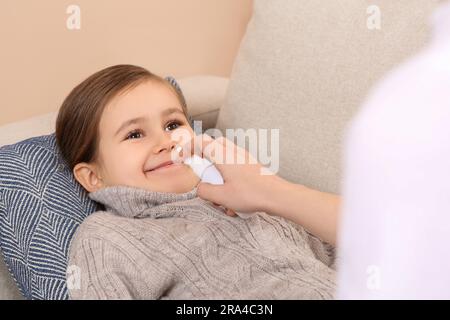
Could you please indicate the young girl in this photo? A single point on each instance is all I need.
(156, 239)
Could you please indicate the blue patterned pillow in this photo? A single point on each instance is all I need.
(41, 205)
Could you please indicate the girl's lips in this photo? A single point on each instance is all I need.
(166, 167)
(162, 164)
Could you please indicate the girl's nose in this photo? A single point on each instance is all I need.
(165, 144)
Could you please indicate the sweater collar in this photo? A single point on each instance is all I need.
(137, 202)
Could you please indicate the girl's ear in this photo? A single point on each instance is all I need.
(87, 175)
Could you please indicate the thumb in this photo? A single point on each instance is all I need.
(211, 192)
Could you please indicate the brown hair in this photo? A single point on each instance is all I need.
(77, 125)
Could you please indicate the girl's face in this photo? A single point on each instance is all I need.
(136, 131)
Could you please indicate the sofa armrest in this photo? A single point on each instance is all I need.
(204, 97)
(37, 126)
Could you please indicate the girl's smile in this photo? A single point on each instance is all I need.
(168, 167)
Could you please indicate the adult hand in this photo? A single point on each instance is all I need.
(246, 188)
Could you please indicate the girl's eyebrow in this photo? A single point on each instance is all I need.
(129, 122)
(170, 111)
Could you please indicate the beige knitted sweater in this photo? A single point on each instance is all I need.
(152, 245)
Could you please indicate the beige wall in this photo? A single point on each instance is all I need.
(41, 60)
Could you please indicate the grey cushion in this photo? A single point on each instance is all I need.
(305, 67)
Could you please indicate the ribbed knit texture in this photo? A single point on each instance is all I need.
(152, 245)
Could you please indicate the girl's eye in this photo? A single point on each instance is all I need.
(133, 134)
(173, 125)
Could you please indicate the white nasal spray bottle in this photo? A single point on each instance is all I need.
(207, 172)
(204, 169)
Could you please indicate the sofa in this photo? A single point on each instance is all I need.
(303, 68)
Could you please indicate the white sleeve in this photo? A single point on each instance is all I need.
(394, 236)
